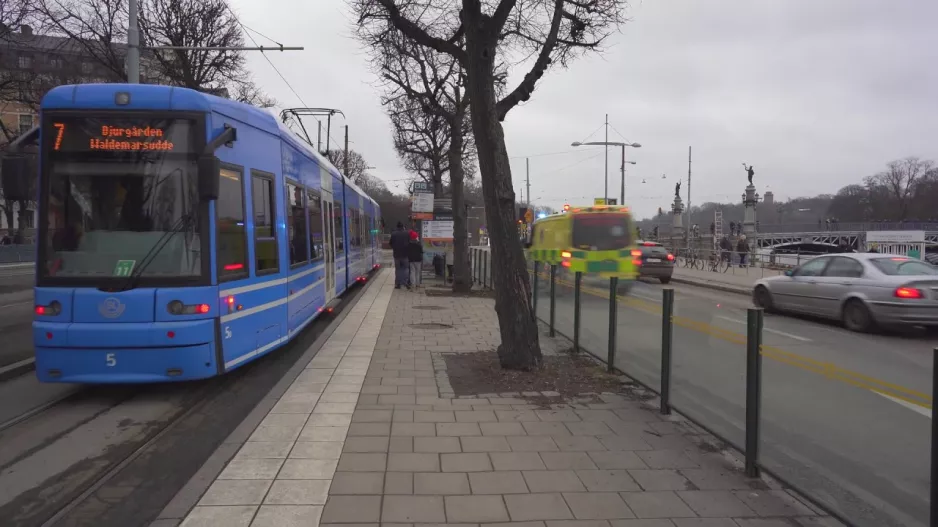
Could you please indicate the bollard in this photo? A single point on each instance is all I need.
(485, 272)
(667, 335)
(577, 280)
(474, 263)
(613, 304)
(753, 389)
(534, 293)
(553, 291)
(934, 440)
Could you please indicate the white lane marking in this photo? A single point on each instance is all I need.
(16, 304)
(643, 297)
(914, 407)
(770, 330)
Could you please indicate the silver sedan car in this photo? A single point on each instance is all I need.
(864, 290)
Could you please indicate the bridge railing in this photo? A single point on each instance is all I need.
(801, 418)
(710, 259)
(11, 254)
(847, 226)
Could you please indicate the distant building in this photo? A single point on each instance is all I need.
(32, 64)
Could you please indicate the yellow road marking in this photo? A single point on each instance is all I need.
(825, 369)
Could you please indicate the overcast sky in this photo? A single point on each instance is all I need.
(816, 94)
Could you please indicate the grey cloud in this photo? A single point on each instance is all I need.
(816, 94)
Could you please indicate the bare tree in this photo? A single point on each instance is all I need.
(196, 23)
(430, 86)
(550, 31)
(99, 28)
(246, 91)
(357, 166)
(900, 181)
(421, 140)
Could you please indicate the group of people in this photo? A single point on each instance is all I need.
(408, 257)
(742, 247)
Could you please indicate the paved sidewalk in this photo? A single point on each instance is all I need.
(734, 280)
(387, 443)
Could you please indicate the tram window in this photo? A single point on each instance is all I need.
(265, 236)
(337, 215)
(296, 225)
(232, 239)
(353, 228)
(367, 231)
(314, 204)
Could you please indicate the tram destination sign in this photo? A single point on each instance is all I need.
(119, 135)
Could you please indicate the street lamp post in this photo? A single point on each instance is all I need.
(613, 143)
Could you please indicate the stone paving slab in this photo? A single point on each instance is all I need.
(372, 434)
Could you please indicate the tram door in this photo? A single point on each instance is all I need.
(328, 233)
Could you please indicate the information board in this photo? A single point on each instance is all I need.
(437, 230)
(422, 202)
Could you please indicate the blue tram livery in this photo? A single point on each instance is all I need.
(180, 235)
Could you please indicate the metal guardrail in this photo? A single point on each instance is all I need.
(17, 254)
(702, 259)
(716, 381)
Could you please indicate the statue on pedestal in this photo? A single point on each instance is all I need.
(677, 190)
(749, 171)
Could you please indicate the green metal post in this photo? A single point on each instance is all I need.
(553, 292)
(753, 389)
(613, 304)
(577, 280)
(667, 334)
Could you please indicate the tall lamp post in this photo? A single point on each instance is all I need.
(612, 143)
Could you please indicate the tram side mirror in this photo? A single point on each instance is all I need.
(209, 174)
(14, 176)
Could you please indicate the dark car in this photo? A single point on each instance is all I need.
(657, 262)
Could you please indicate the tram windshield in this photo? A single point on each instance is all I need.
(119, 192)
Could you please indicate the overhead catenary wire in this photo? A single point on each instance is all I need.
(247, 32)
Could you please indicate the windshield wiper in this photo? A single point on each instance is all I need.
(183, 223)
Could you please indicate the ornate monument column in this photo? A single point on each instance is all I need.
(677, 214)
(750, 199)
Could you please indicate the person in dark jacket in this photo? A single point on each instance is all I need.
(742, 247)
(415, 256)
(399, 242)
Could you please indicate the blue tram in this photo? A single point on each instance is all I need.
(181, 235)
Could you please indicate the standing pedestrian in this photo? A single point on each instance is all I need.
(743, 249)
(415, 256)
(399, 242)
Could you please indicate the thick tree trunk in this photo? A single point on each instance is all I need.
(462, 282)
(20, 236)
(520, 348)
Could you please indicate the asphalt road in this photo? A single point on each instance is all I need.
(16, 316)
(845, 417)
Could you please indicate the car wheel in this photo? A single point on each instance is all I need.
(857, 317)
(665, 279)
(763, 298)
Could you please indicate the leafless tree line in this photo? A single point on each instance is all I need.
(95, 31)
(906, 191)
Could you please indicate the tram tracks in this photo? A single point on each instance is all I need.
(119, 454)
